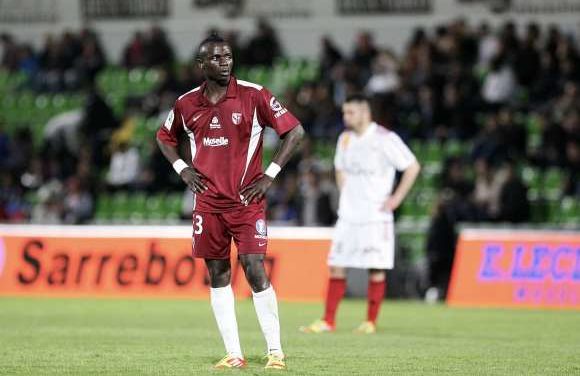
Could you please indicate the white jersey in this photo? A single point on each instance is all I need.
(368, 163)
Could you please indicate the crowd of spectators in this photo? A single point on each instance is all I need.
(65, 62)
(479, 85)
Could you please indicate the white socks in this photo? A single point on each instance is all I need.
(266, 306)
(224, 311)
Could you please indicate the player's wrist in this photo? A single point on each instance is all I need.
(273, 170)
(180, 165)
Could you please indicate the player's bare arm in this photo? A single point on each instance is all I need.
(290, 142)
(340, 177)
(189, 175)
(407, 180)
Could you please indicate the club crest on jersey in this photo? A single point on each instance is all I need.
(277, 108)
(236, 118)
(215, 123)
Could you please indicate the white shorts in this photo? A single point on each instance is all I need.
(363, 245)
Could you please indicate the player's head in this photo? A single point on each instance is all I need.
(215, 59)
(356, 111)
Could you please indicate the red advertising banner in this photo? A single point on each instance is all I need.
(519, 268)
(146, 262)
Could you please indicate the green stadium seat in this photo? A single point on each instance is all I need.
(121, 206)
(433, 152)
(152, 76)
(539, 211)
(8, 102)
(428, 179)
(258, 75)
(140, 131)
(104, 208)
(42, 102)
(152, 125)
(531, 177)
(173, 203)
(534, 130)
(417, 149)
(569, 211)
(552, 184)
(407, 209)
(155, 203)
(138, 203)
(26, 101)
(425, 200)
(553, 211)
(454, 148)
(553, 178)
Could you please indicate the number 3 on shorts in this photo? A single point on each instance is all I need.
(197, 224)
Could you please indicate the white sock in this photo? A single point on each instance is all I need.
(224, 311)
(266, 306)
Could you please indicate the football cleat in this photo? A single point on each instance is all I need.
(275, 361)
(318, 326)
(230, 361)
(367, 327)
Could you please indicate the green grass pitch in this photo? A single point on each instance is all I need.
(168, 337)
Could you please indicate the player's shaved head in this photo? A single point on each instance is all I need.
(215, 59)
(214, 38)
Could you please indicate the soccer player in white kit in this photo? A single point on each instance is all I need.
(367, 157)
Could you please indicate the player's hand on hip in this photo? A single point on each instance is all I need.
(256, 190)
(193, 179)
(391, 204)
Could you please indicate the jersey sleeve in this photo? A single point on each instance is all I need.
(397, 152)
(341, 145)
(172, 128)
(273, 114)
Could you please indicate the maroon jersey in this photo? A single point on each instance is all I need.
(226, 138)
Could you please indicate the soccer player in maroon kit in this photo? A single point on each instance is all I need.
(224, 119)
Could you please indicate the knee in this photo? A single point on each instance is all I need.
(377, 275)
(255, 273)
(339, 273)
(220, 276)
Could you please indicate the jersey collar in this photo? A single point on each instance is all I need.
(231, 91)
(370, 129)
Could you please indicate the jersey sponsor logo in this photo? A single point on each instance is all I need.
(215, 123)
(277, 108)
(357, 170)
(169, 120)
(371, 250)
(214, 142)
(236, 118)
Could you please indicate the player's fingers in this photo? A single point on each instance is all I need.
(260, 194)
(250, 196)
(248, 188)
(200, 186)
(245, 192)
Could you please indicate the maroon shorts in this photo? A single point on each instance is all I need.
(213, 232)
